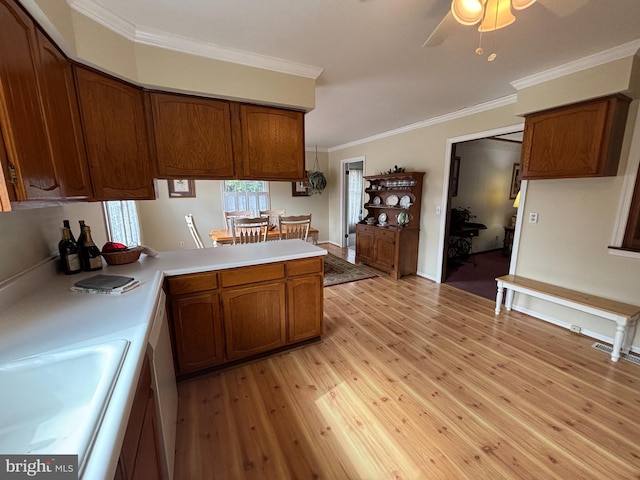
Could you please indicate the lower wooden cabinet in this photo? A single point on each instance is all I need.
(140, 456)
(255, 319)
(391, 250)
(224, 316)
(197, 328)
(305, 307)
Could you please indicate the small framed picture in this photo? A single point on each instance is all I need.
(300, 189)
(181, 188)
(515, 181)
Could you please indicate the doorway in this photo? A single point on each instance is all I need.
(353, 197)
(479, 214)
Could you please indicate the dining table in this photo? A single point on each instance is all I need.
(224, 236)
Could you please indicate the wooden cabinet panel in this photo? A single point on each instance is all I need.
(192, 136)
(63, 121)
(364, 244)
(197, 331)
(148, 464)
(581, 140)
(21, 119)
(305, 267)
(254, 319)
(385, 249)
(271, 143)
(252, 274)
(140, 457)
(305, 307)
(113, 117)
(195, 282)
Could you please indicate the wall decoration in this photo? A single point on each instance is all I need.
(182, 188)
(455, 176)
(300, 189)
(515, 181)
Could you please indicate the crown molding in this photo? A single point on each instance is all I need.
(447, 117)
(104, 17)
(161, 39)
(157, 38)
(606, 56)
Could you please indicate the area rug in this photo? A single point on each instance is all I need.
(337, 270)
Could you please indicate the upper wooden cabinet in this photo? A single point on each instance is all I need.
(63, 120)
(580, 140)
(114, 121)
(271, 143)
(192, 136)
(199, 137)
(29, 161)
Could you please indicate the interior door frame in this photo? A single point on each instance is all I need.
(446, 195)
(344, 195)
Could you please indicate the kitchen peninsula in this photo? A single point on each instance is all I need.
(41, 316)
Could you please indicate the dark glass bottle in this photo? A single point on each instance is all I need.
(65, 224)
(69, 257)
(90, 257)
(80, 240)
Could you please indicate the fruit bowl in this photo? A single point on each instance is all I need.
(122, 257)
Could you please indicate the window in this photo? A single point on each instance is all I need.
(122, 222)
(246, 195)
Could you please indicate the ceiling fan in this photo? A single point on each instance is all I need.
(490, 14)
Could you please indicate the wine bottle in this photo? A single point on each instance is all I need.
(90, 257)
(80, 240)
(65, 224)
(69, 257)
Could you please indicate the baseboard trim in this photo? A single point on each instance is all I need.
(560, 323)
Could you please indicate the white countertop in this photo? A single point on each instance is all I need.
(50, 317)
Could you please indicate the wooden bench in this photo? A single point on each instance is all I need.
(623, 314)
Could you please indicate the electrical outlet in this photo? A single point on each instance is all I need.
(181, 244)
(575, 328)
(533, 217)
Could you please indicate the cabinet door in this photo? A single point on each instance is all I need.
(21, 118)
(63, 120)
(305, 298)
(272, 143)
(197, 331)
(581, 140)
(114, 122)
(192, 136)
(148, 464)
(364, 244)
(254, 319)
(385, 249)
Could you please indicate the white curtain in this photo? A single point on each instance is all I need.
(355, 198)
(122, 222)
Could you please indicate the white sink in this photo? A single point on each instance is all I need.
(54, 403)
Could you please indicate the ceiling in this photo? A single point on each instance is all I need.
(376, 76)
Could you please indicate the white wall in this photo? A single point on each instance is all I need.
(484, 186)
(30, 236)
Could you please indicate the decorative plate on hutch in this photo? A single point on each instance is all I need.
(392, 200)
(376, 201)
(405, 201)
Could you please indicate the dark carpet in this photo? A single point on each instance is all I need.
(337, 270)
(480, 279)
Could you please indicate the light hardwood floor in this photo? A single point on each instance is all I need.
(414, 380)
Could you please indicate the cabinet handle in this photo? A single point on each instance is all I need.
(13, 176)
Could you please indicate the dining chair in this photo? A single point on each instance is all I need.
(191, 223)
(273, 215)
(249, 230)
(295, 226)
(229, 216)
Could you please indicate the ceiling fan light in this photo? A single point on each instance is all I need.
(467, 12)
(522, 4)
(498, 15)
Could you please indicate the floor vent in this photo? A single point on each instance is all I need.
(606, 348)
